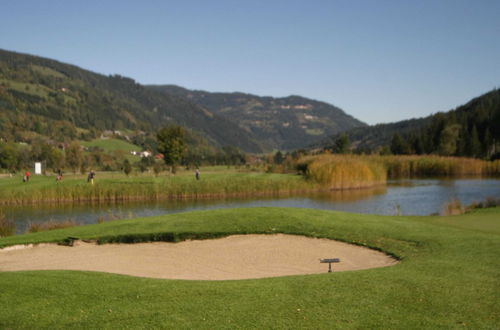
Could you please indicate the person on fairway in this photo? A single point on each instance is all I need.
(90, 177)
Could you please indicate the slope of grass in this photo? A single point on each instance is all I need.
(448, 278)
(109, 145)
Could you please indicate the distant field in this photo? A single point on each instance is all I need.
(27, 88)
(109, 145)
(448, 277)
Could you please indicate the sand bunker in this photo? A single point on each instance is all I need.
(230, 258)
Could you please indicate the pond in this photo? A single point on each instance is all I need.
(404, 197)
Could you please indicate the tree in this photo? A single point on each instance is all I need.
(157, 168)
(144, 163)
(8, 156)
(171, 143)
(342, 145)
(278, 158)
(55, 161)
(74, 156)
(233, 156)
(127, 168)
(448, 140)
(399, 146)
(474, 146)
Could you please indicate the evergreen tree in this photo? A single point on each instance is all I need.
(342, 145)
(278, 158)
(474, 147)
(399, 146)
(448, 140)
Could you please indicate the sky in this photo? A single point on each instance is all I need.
(380, 61)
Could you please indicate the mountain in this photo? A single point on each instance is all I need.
(472, 129)
(376, 136)
(40, 96)
(279, 123)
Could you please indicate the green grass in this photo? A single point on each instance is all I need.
(46, 71)
(27, 88)
(118, 187)
(448, 278)
(109, 145)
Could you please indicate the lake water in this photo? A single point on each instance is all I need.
(405, 197)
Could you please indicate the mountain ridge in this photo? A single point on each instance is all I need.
(49, 92)
(290, 122)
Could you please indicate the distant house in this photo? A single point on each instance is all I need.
(142, 153)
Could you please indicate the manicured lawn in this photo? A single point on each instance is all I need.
(448, 278)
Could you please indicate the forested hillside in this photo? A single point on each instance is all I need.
(282, 123)
(471, 130)
(43, 97)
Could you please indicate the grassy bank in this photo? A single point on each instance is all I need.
(448, 277)
(111, 187)
(323, 172)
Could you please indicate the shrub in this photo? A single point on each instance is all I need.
(35, 227)
(454, 207)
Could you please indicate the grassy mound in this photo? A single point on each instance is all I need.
(448, 277)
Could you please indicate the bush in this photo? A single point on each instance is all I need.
(36, 227)
(454, 207)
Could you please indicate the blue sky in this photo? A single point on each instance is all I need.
(380, 61)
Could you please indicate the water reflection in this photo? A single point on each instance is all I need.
(407, 197)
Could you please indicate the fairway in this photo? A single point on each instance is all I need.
(448, 277)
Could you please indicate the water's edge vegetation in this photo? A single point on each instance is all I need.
(354, 171)
(319, 173)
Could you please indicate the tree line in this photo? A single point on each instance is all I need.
(471, 130)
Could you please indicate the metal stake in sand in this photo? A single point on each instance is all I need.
(329, 261)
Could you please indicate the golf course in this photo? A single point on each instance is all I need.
(447, 276)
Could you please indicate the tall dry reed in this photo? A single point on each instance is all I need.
(344, 172)
(355, 171)
(424, 166)
(7, 227)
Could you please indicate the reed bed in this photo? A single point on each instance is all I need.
(425, 166)
(163, 188)
(344, 172)
(354, 171)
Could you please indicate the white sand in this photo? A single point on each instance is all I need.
(230, 258)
